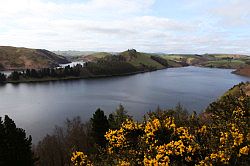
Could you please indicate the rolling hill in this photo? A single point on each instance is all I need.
(230, 61)
(133, 57)
(144, 60)
(16, 58)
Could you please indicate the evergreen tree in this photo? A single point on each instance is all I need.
(100, 126)
(15, 147)
(120, 115)
(15, 76)
(112, 122)
(2, 78)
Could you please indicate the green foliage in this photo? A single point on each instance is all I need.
(100, 126)
(15, 147)
(110, 67)
(179, 113)
(118, 117)
(227, 107)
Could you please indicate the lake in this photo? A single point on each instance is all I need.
(37, 107)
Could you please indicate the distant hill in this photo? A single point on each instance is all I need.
(146, 60)
(73, 53)
(133, 57)
(15, 58)
(94, 56)
(230, 61)
(138, 59)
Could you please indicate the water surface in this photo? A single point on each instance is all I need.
(37, 107)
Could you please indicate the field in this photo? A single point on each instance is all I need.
(230, 61)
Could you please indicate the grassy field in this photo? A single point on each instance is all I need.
(232, 61)
(232, 64)
(139, 59)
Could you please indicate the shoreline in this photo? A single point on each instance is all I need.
(51, 79)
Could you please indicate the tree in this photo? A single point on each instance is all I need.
(15, 76)
(100, 126)
(120, 116)
(2, 78)
(112, 122)
(55, 149)
(15, 147)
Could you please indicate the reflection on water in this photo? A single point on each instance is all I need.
(37, 107)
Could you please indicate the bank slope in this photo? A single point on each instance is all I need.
(16, 58)
(245, 71)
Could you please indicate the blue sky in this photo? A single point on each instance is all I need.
(169, 26)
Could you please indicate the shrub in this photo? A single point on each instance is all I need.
(224, 139)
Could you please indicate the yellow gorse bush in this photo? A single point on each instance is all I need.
(159, 141)
(79, 159)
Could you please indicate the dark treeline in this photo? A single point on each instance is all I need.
(15, 147)
(160, 60)
(46, 73)
(103, 67)
(56, 148)
(3, 78)
(90, 69)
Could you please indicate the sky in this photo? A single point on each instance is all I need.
(166, 26)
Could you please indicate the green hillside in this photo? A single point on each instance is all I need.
(24, 58)
(231, 61)
(138, 59)
(88, 56)
(236, 90)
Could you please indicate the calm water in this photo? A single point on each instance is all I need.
(37, 107)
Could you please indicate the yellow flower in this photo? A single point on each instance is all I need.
(244, 150)
(189, 149)
(213, 156)
(188, 159)
(124, 163)
(79, 159)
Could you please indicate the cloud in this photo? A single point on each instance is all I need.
(116, 25)
(233, 12)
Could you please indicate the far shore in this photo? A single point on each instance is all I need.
(48, 79)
